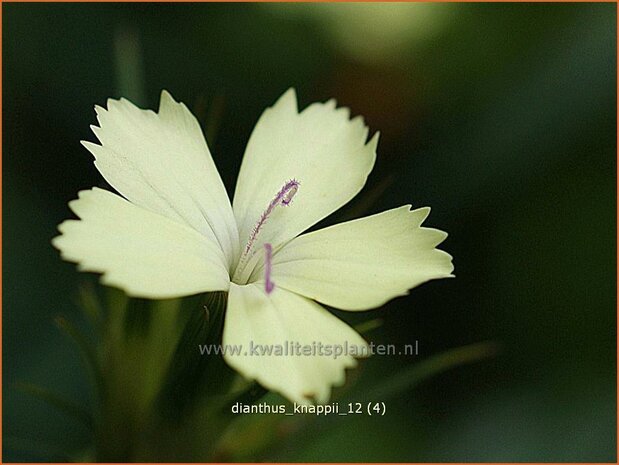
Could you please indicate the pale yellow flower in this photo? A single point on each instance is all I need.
(172, 231)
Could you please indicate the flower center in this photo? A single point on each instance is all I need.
(283, 198)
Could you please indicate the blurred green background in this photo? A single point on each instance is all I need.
(501, 117)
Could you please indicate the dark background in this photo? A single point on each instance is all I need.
(501, 117)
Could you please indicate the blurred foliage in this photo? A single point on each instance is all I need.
(501, 117)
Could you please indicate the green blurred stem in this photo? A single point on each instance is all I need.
(128, 65)
(86, 349)
(425, 369)
(56, 400)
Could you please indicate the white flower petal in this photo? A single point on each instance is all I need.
(143, 253)
(361, 264)
(278, 318)
(160, 161)
(320, 147)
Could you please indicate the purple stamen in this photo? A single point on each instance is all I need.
(268, 253)
(283, 197)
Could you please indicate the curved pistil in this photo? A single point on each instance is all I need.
(283, 198)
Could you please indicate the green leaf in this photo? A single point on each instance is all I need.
(191, 373)
(367, 326)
